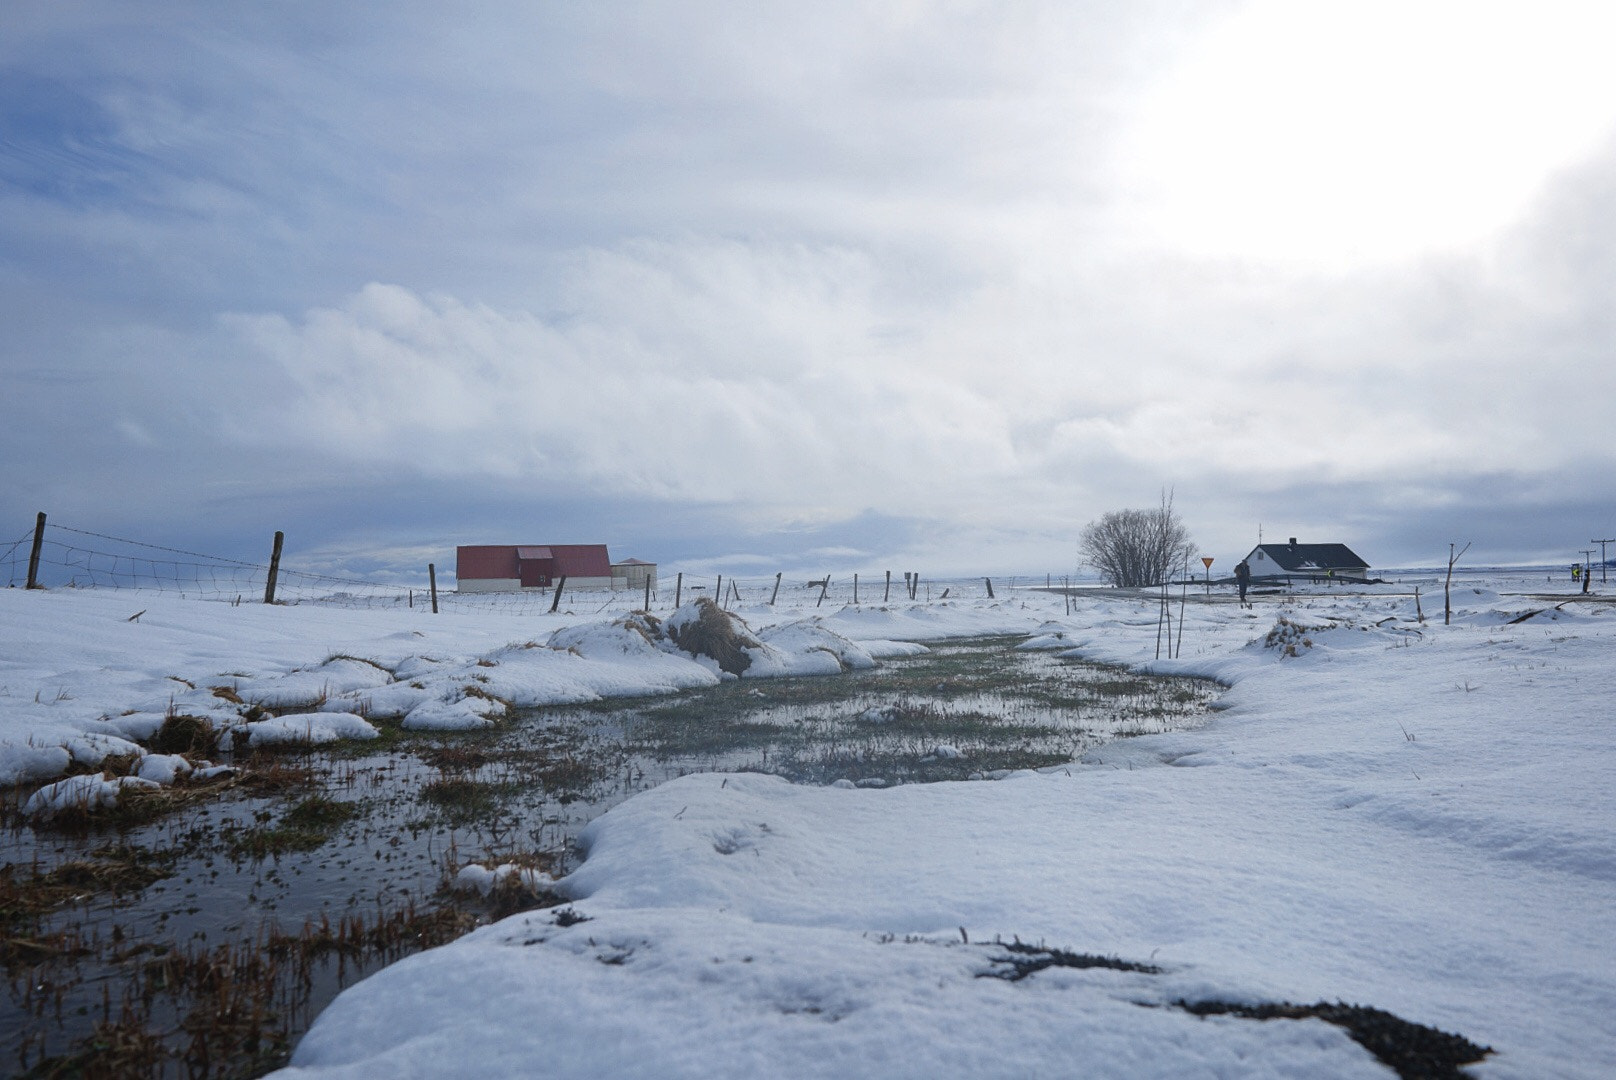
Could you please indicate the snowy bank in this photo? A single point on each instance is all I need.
(1411, 817)
(86, 683)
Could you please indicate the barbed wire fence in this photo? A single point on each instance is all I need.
(75, 558)
(81, 559)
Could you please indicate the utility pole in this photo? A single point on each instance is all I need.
(1602, 544)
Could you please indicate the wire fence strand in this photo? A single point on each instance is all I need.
(83, 559)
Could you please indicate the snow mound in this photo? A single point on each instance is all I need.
(1051, 635)
(163, 769)
(309, 729)
(882, 649)
(93, 748)
(81, 793)
(637, 637)
(309, 687)
(482, 880)
(803, 647)
(808, 648)
(703, 629)
(456, 714)
(21, 764)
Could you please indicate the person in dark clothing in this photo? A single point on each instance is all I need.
(1242, 578)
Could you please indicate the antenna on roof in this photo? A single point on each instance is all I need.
(1259, 534)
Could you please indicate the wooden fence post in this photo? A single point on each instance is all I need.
(776, 594)
(555, 604)
(718, 589)
(824, 587)
(274, 568)
(855, 590)
(33, 556)
(887, 594)
(678, 588)
(990, 587)
(648, 593)
(432, 579)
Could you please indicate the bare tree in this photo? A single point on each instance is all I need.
(1137, 547)
(1447, 586)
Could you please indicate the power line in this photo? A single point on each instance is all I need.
(1602, 544)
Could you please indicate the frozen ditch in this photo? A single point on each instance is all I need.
(215, 932)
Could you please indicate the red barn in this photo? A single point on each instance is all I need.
(511, 567)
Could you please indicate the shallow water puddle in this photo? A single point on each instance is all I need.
(203, 942)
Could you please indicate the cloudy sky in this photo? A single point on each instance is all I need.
(768, 285)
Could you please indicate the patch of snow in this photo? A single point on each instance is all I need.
(80, 793)
(309, 729)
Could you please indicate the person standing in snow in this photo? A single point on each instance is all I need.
(1242, 578)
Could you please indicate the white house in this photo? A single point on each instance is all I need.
(1310, 562)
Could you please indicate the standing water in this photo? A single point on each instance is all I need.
(200, 932)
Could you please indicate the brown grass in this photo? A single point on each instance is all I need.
(718, 635)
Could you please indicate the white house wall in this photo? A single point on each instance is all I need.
(498, 585)
(482, 585)
(1264, 567)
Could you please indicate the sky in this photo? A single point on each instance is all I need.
(837, 286)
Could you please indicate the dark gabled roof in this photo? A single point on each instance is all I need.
(1305, 557)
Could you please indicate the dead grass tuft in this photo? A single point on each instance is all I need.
(185, 734)
(716, 634)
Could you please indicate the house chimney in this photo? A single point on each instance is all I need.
(1293, 541)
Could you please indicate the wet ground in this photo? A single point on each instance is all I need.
(201, 933)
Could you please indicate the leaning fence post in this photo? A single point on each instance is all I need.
(824, 587)
(555, 604)
(990, 587)
(432, 579)
(776, 594)
(33, 556)
(887, 594)
(274, 568)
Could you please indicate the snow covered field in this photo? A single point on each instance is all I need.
(1410, 816)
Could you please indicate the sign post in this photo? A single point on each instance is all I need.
(1206, 561)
